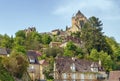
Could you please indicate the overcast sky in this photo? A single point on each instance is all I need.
(47, 15)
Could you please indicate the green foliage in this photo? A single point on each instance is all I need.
(94, 55)
(20, 33)
(68, 53)
(72, 50)
(16, 64)
(4, 74)
(116, 52)
(106, 60)
(33, 41)
(53, 52)
(19, 41)
(76, 34)
(6, 41)
(19, 48)
(46, 39)
(79, 53)
(49, 69)
(71, 46)
(92, 36)
(114, 47)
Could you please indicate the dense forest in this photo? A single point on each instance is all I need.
(94, 45)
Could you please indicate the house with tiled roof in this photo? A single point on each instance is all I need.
(114, 76)
(54, 44)
(73, 69)
(55, 32)
(34, 65)
(4, 52)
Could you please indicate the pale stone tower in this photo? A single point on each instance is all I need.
(77, 22)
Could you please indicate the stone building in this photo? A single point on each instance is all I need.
(34, 65)
(77, 22)
(29, 30)
(73, 69)
(4, 52)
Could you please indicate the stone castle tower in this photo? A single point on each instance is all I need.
(77, 22)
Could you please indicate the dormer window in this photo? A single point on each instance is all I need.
(31, 59)
(94, 67)
(73, 67)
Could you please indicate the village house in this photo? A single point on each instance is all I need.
(4, 52)
(34, 65)
(54, 44)
(77, 22)
(55, 32)
(73, 69)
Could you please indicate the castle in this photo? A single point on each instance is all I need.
(77, 22)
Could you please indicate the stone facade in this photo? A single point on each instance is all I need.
(55, 32)
(73, 69)
(77, 22)
(54, 44)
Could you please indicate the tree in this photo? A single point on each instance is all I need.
(92, 36)
(20, 33)
(19, 41)
(79, 52)
(70, 49)
(94, 55)
(6, 41)
(49, 69)
(70, 46)
(106, 60)
(19, 48)
(4, 74)
(33, 41)
(16, 64)
(116, 52)
(46, 39)
(53, 52)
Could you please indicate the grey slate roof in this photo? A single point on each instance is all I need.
(63, 64)
(3, 51)
(32, 55)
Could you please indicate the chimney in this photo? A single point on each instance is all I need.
(99, 62)
(73, 58)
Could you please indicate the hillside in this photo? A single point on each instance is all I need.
(84, 39)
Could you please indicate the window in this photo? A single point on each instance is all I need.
(73, 67)
(64, 76)
(82, 77)
(90, 77)
(73, 76)
(31, 59)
